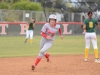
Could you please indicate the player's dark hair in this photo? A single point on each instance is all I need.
(33, 18)
(89, 12)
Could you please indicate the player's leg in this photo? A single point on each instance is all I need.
(43, 50)
(42, 53)
(43, 41)
(27, 36)
(87, 41)
(94, 43)
(31, 36)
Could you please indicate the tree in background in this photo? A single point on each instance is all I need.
(26, 5)
(20, 5)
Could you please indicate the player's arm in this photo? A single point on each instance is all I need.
(45, 36)
(27, 26)
(97, 25)
(43, 30)
(83, 25)
(60, 32)
(84, 28)
(34, 24)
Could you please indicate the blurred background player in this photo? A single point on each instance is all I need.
(29, 30)
(89, 25)
(48, 33)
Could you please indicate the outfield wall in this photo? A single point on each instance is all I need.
(19, 28)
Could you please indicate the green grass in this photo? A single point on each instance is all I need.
(14, 46)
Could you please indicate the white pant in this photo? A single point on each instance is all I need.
(29, 33)
(44, 46)
(91, 37)
(44, 49)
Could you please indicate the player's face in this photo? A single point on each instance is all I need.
(90, 15)
(52, 22)
(32, 20)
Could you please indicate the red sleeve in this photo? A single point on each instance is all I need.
(60, 31)
(43, 34)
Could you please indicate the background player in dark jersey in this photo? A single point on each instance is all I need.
(29, 30)
(90, 25)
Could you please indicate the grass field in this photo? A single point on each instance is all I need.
(14, 46)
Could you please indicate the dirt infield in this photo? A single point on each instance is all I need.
(58, 65)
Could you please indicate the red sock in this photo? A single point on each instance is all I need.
(47, 55)
(37, 61)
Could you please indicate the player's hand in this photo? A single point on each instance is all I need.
(48, 37)
(84, 32)
(61, 36)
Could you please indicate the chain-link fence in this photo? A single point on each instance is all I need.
(25, 15)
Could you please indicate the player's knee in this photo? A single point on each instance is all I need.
(42, 52)
(31, 37)
(95, 47)
(88, 47)
(40, 55)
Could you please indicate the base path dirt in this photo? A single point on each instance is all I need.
(58, 65)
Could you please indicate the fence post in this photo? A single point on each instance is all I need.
(23, 15)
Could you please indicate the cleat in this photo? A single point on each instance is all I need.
(48, 58)
(33, 67)
(24, 41)
(97, 60)
(86, 59)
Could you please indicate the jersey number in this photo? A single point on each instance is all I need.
(90, 24)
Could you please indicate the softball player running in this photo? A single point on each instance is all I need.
(29, 30)
(48, 33)
(89, 25)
